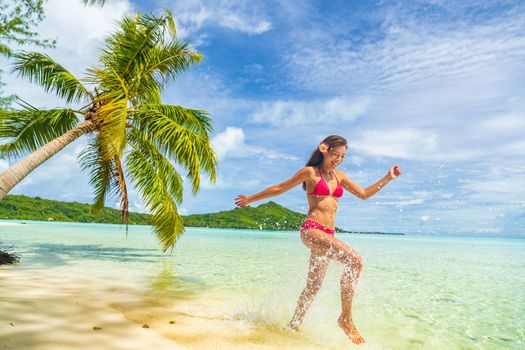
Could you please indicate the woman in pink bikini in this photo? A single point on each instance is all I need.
(324, 185)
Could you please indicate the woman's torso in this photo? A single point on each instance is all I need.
(322, 208)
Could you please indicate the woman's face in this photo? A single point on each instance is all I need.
(335, 156)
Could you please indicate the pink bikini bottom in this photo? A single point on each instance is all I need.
(308, 224)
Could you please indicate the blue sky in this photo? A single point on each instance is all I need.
(434, 86)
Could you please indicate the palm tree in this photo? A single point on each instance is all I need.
(132, 135)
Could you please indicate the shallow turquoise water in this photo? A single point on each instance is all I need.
(416, 292)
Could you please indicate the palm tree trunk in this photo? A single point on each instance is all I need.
(12, 176)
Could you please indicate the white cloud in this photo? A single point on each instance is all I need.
(515, 148)
(240, 16)
(406, 143)
(497, 183)
(234, 21)
(228, 141)
(231, 147)
(403, 203)
(509, 123)
(80, 29)
(504, 188)
(409, 51)
(291, 113)
(229, 182)
(79, 32)
(402, 199)
(231, 144)
(453, 84)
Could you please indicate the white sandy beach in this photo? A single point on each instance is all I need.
(48, 310)
(41, 311)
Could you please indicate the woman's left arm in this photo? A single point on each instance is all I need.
(364, 194)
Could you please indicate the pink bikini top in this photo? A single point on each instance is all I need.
(321, 188)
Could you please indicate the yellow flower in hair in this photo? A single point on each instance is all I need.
(323, 147)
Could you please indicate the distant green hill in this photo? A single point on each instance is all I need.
(267, 216)
(35, 208)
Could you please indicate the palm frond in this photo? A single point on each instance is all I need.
(162, 63)
(197, 121)
(105, 175)
(43, 70)
(167, 223)
(171, 59)
(113, 131)
(144, 53)
(173, 130)
(136, 35)
(27, 130)
(103, 158)
(162, 166)
(124, 202)
(5, 50)
(113, 111)
(102, 172)
(154, 190)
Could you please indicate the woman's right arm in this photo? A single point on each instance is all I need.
(364, 194)
(302, 175)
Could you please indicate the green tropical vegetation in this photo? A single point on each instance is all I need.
(20, 207)
(132, 136)
(267, 216)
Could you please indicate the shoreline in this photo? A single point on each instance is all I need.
(7, 222)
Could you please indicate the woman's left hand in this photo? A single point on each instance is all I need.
(242, 200)
(394, 172)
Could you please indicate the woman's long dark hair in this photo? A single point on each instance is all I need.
(316, 158)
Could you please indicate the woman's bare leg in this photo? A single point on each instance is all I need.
(349, 281)
(316, 273)
(327, 245)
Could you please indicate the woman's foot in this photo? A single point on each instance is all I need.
(294, 326)
(350, 330)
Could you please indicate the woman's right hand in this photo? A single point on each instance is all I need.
(394, 172)
(242, 200)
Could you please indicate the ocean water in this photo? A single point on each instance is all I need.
(415, 291)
